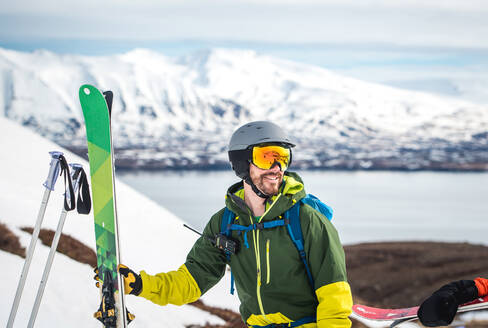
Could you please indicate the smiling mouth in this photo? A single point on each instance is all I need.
(271, 178)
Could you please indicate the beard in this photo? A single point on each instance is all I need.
(268, 183)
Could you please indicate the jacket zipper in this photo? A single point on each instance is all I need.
(258, 262)
(268, 277)
(255, 234)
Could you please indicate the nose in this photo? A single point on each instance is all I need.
(276, 167)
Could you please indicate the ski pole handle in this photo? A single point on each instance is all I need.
(53, 170)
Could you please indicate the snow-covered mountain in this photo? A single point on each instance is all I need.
(181, 111)
(148, 235)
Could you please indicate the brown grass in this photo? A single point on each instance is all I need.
(403, 274)
(9, 242)
(68, 246)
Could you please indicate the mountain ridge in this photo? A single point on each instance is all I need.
(179, 112)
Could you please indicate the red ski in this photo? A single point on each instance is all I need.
(407, 314)
(372, 313)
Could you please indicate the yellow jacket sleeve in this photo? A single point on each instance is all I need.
(174, 287)
(335, 304)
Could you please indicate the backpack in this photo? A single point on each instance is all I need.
(291, 219)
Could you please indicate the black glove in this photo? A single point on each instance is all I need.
(132, 281)
(440, 308)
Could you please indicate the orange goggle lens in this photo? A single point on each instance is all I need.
(265, 157)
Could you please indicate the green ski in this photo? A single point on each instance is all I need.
(112, 311)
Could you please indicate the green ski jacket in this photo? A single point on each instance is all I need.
(270, 277)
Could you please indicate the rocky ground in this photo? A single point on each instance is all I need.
(388, 274)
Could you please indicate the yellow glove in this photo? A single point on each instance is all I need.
(132, 281)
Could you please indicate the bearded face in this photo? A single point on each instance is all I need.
(267, 181)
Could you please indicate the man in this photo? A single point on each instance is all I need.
(441, 307)
(270, 277)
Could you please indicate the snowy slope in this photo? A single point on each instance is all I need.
(171, 109)
(149, 234)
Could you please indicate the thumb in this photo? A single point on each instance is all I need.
(123, 269)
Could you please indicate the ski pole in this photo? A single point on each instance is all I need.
(75, 177)
(54, 169)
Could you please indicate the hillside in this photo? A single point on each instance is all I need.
(179, 112)
(148, 233)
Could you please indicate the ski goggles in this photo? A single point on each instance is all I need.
(265, 157)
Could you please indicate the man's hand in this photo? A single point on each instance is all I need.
(441, 307)
(132, 281)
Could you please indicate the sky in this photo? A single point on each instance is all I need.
(404, 22)
(437, 45)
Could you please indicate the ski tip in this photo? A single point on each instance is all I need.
(86, 90)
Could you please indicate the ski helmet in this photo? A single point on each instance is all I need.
(247, 136)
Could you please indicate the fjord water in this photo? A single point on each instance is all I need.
(368, 205)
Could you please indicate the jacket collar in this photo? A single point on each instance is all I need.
(291, 191)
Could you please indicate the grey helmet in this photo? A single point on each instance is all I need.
(247, 136)
(256, 133)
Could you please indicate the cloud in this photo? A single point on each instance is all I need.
(118, 6)
(406, 22)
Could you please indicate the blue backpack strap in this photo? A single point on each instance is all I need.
(295, 229)
(227, 220)
(296, 235)
(225, 228)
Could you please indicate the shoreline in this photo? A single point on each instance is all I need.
(139, 159)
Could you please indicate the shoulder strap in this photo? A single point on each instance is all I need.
(227, 219)
(296, 235)
(295, 229)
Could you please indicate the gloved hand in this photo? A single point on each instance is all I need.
(132, 281)
(106, 312)
(441, 307)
